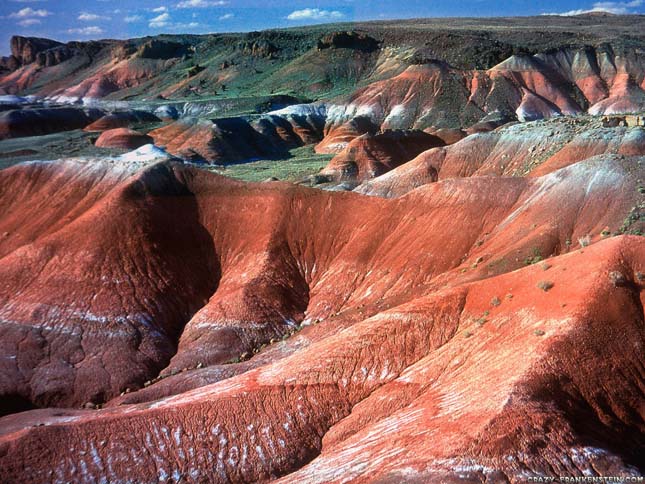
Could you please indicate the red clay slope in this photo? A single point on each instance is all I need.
(369, 156)
(122, 138)
(532, 149)
(417, 360)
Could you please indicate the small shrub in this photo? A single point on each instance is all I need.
(617, 278)
(468, 334)
(545, 285)
(539, 332)
(534, 258)
(584, 241)
(495, 301)
(545, 266)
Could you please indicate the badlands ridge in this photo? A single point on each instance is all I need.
(461, 302)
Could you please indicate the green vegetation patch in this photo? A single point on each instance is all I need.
(302, 162)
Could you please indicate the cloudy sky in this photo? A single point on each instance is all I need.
(95, 19)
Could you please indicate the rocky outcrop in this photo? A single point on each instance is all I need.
(162, 49)
(448, 135)
(348, 40)
(10, 63)
(55, 56)
(27, 49)
(259, 48)
(122, 138)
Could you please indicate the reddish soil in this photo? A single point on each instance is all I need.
(122, 138)
(320, 336)
(527, 150)
(369, 156)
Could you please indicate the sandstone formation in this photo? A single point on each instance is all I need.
(26, 49)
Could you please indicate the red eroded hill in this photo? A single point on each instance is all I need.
(235, 139)
(369, 156)
(532, 149)
(122, 138)
(123, 119)
(36, 122)
(340, 338)
(565, 81)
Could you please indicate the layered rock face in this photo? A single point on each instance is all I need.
(27, 49)
(236, 139)
(369, 156)
(320, 336)
(567, 81)
(532, 149)
(478, 318)
(408, 75)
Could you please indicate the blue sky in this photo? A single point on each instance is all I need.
(94, 19)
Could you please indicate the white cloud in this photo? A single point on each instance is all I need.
(92, 30)
(160, 9)
(132, 19)
(28, 1)
(201, 3)
(616, 8)
(29, 12)
(160, 21)
(28, 22)
(164, 21)
(89, 17)
(314, 14)
(227, 16)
